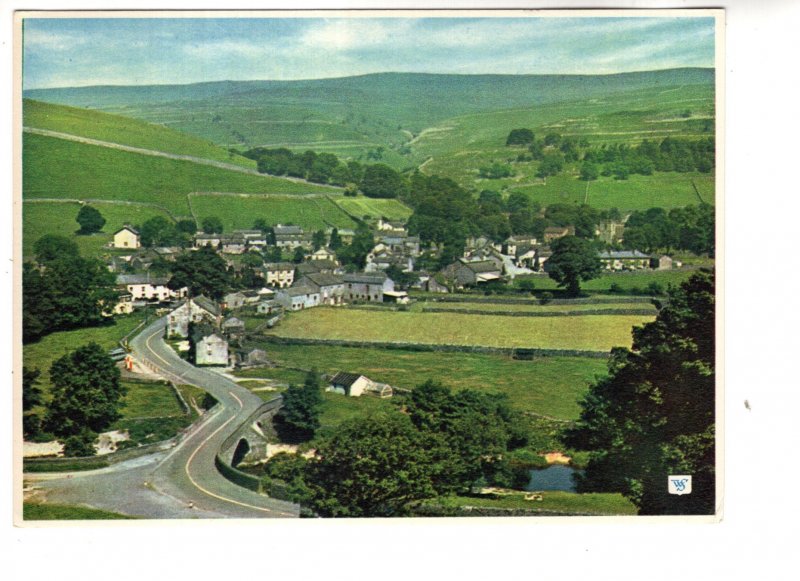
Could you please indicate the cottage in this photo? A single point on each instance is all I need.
(148, 287)
(255, 239)
(124, 304)
(367, 287)
(195, 310)
(466, 273)
(127, 237)
(234, 244)
(624, 260)
(211, 350)
(202, 239)
(233, 326)
(329, 287)
(555, 232)
(252, 358)
(268, 307)
(278, 274)
(431, 285)
(391, 225)
(355, 385)
(233, 301)
(291, 237)
(323, 253)
(297, 298)
(317, 266)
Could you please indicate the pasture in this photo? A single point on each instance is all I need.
(55, 168)
(589, 333)
(596, 503)
(239, 211)
(549, 386)
(123, 130)
(534, 306)
(374, 208)
(634, 282)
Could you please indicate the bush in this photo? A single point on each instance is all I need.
(615, 289)
(655, 288)
(80, 445)
(545, 297)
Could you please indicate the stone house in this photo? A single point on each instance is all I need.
(555, 232)
(317, 266)
(367, 287)
(148, 287)
(624, 260)
(291, 237)
(196, 310)
(124, 304)
(297, 298)
(329, 287)
(466, 273)
(233, 326)
(323, 253)
(355, 385)
(278, 274)
(211, 350)
(233, 301)
(127, 237)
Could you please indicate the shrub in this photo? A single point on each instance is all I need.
(545, 297)
(80, 445)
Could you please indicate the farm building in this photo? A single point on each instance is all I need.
(233, 301)
(250, 358)
(211, 350)
(297, 298)
(466, 273)
(555, 232)
(317, 266)
(195, 310)
(355, 385)
(127, 237)
(233, 326)
(367, 287)
(624, 260)
(329, 287)
(268, 307)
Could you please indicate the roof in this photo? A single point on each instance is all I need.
(207, 304)
(482, 266)
(212, 338)
(359, 278)
(129, 228)
(321, 279)
(233, 322)
(622, 254)
(296, 291)
(273, 266)
(345, 379)
(279, 229)
(145, 278)
(556, 229)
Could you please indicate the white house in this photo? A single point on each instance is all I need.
(297, 298)
(195, 310)
(211, 350)
(355, 385)
(127, 237)
(148, 287)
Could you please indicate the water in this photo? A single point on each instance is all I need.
(556, 477)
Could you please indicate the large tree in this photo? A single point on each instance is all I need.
(202, 272)
(653, 416)
(301, 408)
(381, 181)
(573, 260)
(90, 220)
(87, 392)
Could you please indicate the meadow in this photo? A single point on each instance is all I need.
(47, 511)
(123, 130)
(634, 282)
(55, 168)
(552, 501)
(549, 386)
(239, 211)
(374, 208)
(534, 306)
(589, 333)
(40, 218)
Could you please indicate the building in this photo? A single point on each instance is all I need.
(624, 260)
(317, 266)
(127, 237)
(147, 287)
(233, 326)
(211, 350)
(323, 253)
(329, 287)
(233, 301)
(465, 273)
(367, 287)
(297, 298)
(662, 263)
(291, 237)
(124, 305)
(196, 310)
(555, 232)
(278, 274)
(250, 358)
(268, 307)
(355, 385)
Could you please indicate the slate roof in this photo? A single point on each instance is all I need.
(482, 266)
(126, 227)
(277, 266)
(322, 279)
(296, 291)
(622, 254)
(207, 304)
(146, 278)
(345, 379)
(285, 230)
(360, 278)
(233, 322)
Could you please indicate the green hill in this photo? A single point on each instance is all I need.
(123, 131)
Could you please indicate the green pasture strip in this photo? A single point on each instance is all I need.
(534, 307)
(43, 353)
(374, 208)
(627, 281)
(124, 131)
(589, 333)
(150, 400)
(556, 501)
(55, 168)
(45, 511)
(40, 218)
(240, 211)
(549, 386)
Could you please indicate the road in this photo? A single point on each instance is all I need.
(183, 481)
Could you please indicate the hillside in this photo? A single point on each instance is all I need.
(352, 116)
(123, 130)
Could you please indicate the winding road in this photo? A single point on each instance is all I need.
(181, 482)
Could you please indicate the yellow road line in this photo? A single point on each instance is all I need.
(147, 344)
(212, 494)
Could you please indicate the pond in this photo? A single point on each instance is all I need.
(556, 477)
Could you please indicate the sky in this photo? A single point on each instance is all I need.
(128, 51)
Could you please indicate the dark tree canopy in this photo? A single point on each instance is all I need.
(31, 393)
(520, 137)
(301, 408)
(160, 231)
(653, 416)
(53, 247)
(381, 181)
(87, 392)
(336, 240)
(203, 272)
(90, 220)
(356, 253)
(212, 225)
(573, 260)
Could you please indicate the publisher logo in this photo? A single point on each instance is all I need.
(680, 484)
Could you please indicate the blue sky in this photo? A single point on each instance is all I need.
(125, 51)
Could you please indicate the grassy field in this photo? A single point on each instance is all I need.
(123, 130)
(533, 307)
(43, 353)
(549, 386)
(40, 218)
(627, 281)
(337, 408)
(374, 208)
(150, 400)
(566, 502)
(593, 332)
(240, 211)
(55, 168)
(44, 511)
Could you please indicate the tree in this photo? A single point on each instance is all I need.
(252, 258)
(356, 253)
(80, 444)
(186, 227)
(381, 181)
(653, 416)
(301, 409)
(520, 137)
(299, 255)
(87, 392)
(90, 220)
(318, 239)
(53, 247)
(159, 231)
(212, 225)
(336, 240)
(373, 467)
(589, 171)
(31, 394)
(573, 260)
(202, 272)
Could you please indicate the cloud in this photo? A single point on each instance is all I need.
(44, 40)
